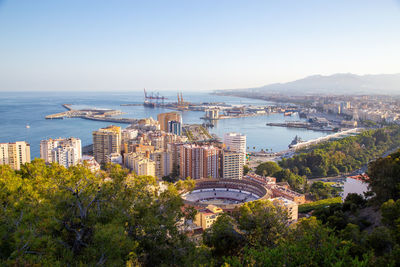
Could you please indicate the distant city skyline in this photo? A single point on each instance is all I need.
(191, 45)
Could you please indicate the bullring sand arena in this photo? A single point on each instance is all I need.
(224, 193)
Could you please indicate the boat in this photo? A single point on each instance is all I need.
(149, 104)
(295, 141)
(27, 126)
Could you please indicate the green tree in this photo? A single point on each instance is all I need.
(246, 169)
(384, 176)
(223, 237)
(268, 168)
(263, 223)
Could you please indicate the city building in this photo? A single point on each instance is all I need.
(266, 181)
(232, 165)
(235, 142)
(127, 135)
(285, 192)
(199, 161)
(175, 127)
(90, 163)
(114, 158)
(64, 151)
(291, 207)
(140, 164)
(163, 163)
(164, 118)
(15, 154)
(206, 217)
(105, 142)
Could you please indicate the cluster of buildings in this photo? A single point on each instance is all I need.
(361, 108)
(158, 148)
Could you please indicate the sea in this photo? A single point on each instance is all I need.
(21, 109)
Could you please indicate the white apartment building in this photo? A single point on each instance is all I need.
(64, 151)
(235, 142)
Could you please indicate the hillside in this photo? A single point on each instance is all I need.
(341, 83)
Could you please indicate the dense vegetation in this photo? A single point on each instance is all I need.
(52, 216)
(57, 216)
(344, 155)
(318, 204)
(331, 159)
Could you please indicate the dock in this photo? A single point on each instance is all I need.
(302, 125)
(327, 138)
(91, 114)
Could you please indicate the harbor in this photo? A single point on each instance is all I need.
(105, 115)
(34, 113)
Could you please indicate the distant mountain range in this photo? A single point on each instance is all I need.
(341, 83)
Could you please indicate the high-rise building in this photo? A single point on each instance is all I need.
(164, 163)
(140, 164)
(232, 165)
(235, 142)
(199, 161)
(175, 127)
(64, 151)
(164, 118)
(15, 154)
(105, 142)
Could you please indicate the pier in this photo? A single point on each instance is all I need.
(326, 138)
(91, 114)
(302, 125)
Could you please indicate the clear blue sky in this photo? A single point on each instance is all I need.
(191, 44)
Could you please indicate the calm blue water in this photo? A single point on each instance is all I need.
(17, 109)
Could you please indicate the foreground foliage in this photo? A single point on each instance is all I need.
(57, 216)
(52, 216)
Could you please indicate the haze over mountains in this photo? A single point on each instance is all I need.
(341, 83)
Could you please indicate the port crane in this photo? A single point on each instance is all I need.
(150, 97)
(182, 104)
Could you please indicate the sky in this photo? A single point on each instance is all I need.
(191, 45)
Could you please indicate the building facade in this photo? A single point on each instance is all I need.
(105, 142)
(232, 165)
(164, 118)
(163, 163)
(200, 161)
(205, 218)
(15, 154)
(64, 151)
(175, 127)
(140, 164)
(235, 142)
